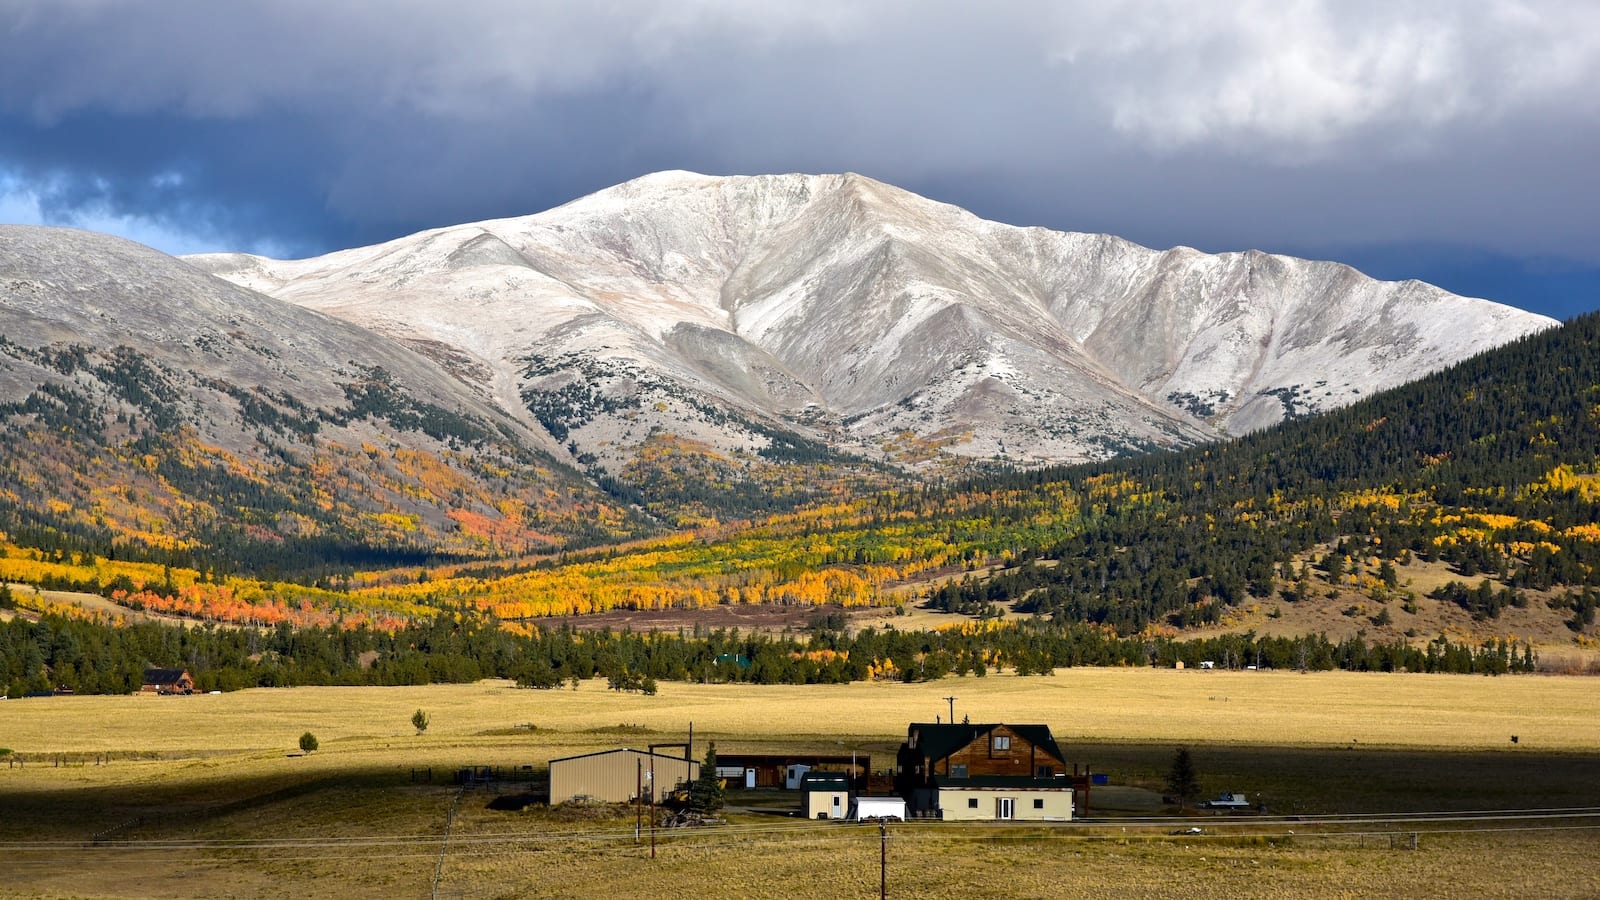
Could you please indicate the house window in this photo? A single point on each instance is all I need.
(958, 771)
(1046, 772)
(1038, 803)
(1002, 742)
(972, 803)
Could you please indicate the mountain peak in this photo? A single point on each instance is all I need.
(850, 312)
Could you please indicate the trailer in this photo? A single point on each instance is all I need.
(878, 809)
(1230, 800)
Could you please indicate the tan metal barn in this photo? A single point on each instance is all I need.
(615, 776)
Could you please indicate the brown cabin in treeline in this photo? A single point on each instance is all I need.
(167, 681)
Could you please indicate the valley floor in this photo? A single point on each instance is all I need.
(209, 796)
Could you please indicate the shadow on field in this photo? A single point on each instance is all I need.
(1356, 779)
(517, 802)
(53, 804)
(38, 806)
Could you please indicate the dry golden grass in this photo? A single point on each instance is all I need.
(1449, 712)
(219, 768)
(844, 862)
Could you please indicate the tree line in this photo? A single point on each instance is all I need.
(58, 652)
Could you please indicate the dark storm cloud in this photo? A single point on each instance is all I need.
(1293, 126)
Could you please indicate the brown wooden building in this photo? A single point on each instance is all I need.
(771, 770)
(940, 754)
(167, 681)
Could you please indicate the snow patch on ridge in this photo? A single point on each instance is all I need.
(852, 311)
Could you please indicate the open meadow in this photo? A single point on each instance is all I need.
(209, 795)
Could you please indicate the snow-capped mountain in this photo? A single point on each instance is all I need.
(749, 315)
(148, 403)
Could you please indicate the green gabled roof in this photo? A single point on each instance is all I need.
(164, 676)
(1039, 736)
(1021, 782)
(824, 781)
(937, 741)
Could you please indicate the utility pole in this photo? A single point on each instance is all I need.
(652, 805)
(952, 708)
(638, 800)
(883, 860)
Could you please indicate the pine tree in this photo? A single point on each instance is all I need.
(1181, 779)
(706, 794)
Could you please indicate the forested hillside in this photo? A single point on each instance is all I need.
(1488, 466)
(1486, 470)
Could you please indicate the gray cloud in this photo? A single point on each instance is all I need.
(1255, 123)
(1263, 77)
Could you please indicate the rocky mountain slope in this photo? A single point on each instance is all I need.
(742, 320)
(146, 405)
(700, 347)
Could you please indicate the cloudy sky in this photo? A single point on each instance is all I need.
(1454, 140)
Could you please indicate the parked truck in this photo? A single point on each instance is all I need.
(1230, 800)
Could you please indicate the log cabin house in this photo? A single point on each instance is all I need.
(987, 771)
(167, 681)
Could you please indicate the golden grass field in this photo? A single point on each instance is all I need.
(1455, 712)
(349, 820)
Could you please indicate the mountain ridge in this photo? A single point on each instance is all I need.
(698, 348)
(852, 312)
(1459, 498)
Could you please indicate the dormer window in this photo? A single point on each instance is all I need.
(1002, 742)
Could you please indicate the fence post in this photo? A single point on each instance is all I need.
(883, 859)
